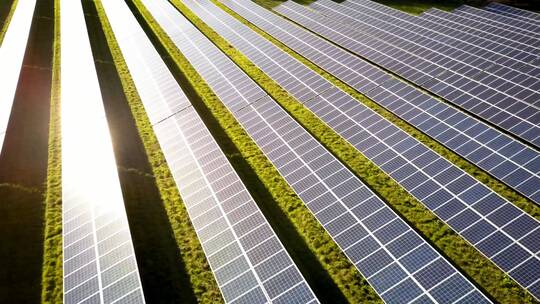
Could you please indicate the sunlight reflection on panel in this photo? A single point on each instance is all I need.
(99, 260)
(11, 56)
(210, 188)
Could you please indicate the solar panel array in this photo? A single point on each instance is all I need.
(249, 262)
(500, 20)
(400, 265)
(99, 263)
(510, 77)
(462, 91)
(457, 198)
(513, 12)
(518, 40)
(12, 52)
(494, 58)
(484, 146)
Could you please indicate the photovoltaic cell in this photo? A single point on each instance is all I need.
(455, 88)
(436, 67)
(342, 204)
(500, 20)
(515, 67)
(427, 176)
(514, 12)
(98, 257)
(517, 40)
(248, 260)
(484, 146)
(12, 52)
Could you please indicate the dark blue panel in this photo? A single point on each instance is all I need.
(504, 215)
(434, 273)
(493, 244)
(404, 244)
(403, 293)
(452, 289)
(375, 262)
(362, 249)
(510, 257)
(463, 220)
(387, 278)
(528, 272)
(478, 231)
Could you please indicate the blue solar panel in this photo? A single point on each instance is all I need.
(370, 137)
(309, 168)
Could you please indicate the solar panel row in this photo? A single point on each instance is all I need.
(405, 65)
(514, 66)
(249, 262)
(396, 260)
(499, 20)
(517, 40)
(456, 197)
(513, 12)
(12, 53)
(477, 142)
(433, 49)
(99, 261)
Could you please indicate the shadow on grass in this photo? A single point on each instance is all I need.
(23, 167)
(315, 274)
(161, 268)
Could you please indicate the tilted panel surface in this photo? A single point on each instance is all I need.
(519, 69)
(426, 175)
(484, 146)
(514, 12)
(376, 240)
(517, 40)
(366, 46)
(98, 256)
(499, 21)
(248, 261)
(447, 76)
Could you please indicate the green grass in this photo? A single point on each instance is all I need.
(51, 282)
(201, 280)
(483, 272)
(6, 13)
(341, 271)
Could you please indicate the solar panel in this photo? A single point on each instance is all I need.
(454, 44)
(477, 142)
(518, 40)
(249, 262)
(462, 91)
(472, 35)
(521, 89)
(12, 53)
(427, 176)
(383, 247)
(499, 20)
(514, 12)
(98, 257)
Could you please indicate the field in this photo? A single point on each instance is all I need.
(172, 265)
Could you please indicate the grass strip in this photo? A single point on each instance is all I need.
(5, 23)
(486, 275)
(341, 271)
(52, 276)
(201, 278)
